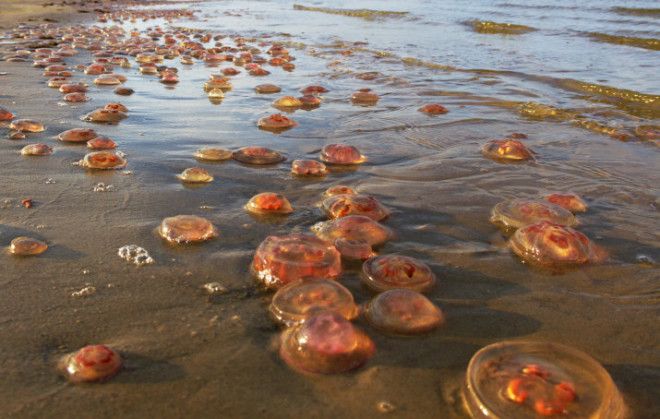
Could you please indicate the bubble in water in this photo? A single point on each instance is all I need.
(387, 272)
(135, 254)
(403, 312)
(91, 363)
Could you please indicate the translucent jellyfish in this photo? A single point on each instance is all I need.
(148, 68)
(259, 72)
(403, 312)
(101, 143)
(220, 83)
(216, 94)
(75, 97)
(280, 260)
(105, 116)
(337, 206)
(107, 80)
(230, 71)
(343, 154)
(364, 97)
(353, 228)
(293, 303)
(313, 90)
(554, 245)
(258, 156)
(114, 106)
(338, 190)
(73, 88)
(27, 246)
(287, 103)
(103, 160)
(526, 379)
(269, 203)
(387, 272)
(309, 102)
(507, 150)
(213, 154)
(27, 125)
(325, 343)
(5, 115)
(433, 109)
(124, 91)
(169, 78)
(77, 135)
(195, 175)
(91, 363)
(57, 82)
(187, 229)
(95, 69)
(569, 201)
(267, 89)
(37, 150)
(276, 123)
(308, 168)
(354, 249)
(518, 213)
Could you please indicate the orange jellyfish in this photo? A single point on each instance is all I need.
(267, 89)
(507, 150)
(103, 160)
(313, 90)
(187, 229)
(75, 97)
(124, 91)
(403, 312)
(518, 213)
(337, 206)
(107, 80)
(105, 116)
(37, 150)
(309, 102)
(338, 190)
(308, 168)
(258, 156)
(27, 246)
(73, 88)
(114, 106)
(267, 203)
(326, 343)
(195, 175)
(569, 201)
(353, 228)
(354, 249)
(433, 109)
(230, 71)
(276, 123)
(387, 272)
(295, 302)
(77, 135)
(101, 143)
(364, 97)
(280, 260)
(213, 154)
(27, 125)
(5, 115)
(91, 363)
(341, 154)
(57, 82)
(259, 72)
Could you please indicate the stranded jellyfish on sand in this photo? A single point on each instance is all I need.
(186, 229)
(433, 109)
(91, 363)
(5, 115)
(325, 343)
(267, 203)
(357, 228)
(267, 89)
(308, 168)
(37, 150)
(213, 154)
(518, 213)
(77, 135)
(524, 379)
(569, 201)
(195, 175)
(103, 160)
(276, 123)
(364, 97)
(27, 125)
(338, 190)
(342, 154)
(388, 272)
(73, 88)
(403, 312)
(105, 116)
(27, 246)
(293, 303)
(507, 150)
(75, 97)
(550, 244)
(101, 143)
(338, 206)
(280, 260)
(258, 156)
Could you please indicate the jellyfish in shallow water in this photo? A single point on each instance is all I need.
(105, 116)
(507, 150)
(27, 246)
(280, 260)
(554, 245)
(309, 102)
(124, 91)
(313, 90)
(103, 160)
(276, 123)
(267, 89)
(354, 249)
(364, 97)
(403, 312)
(27, 125)
(115, 106)
(517, 213)
(338, 206)
(101, 143)
(269, 203)
(293, 303)
(75, 97)
(433, 109)
(213, 154)
(91, 363)
(325, 343)
(195, 175)
(353, 228)
(77, 135)
(37, 150)
(308, 168)
(569, 201)
(338, 190)
(107, 80)
(57, 82)
(187, 229)
(5, 115)
(341, 154)
(73, 88)
(258, 156)
(387, 272)
(287, 103)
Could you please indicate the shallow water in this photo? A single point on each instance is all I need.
(191, 354)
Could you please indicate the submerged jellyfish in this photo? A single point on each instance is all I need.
(308, 168)
(77, 135)
(195, 175)
(280, 260)
(338, 190)
(107, 80)
(551, 244)
(105, 116)
(187, 229)
(293, 303)
(433, 109)
(353, 228)
(364, 97)
(338, 206)
(403, 312)
(103, 160)
(267, 89)
(507, 150)
(354, 249)
(387, 272)
(517, 213)
(73, 88)
(57, 82)
(569, 201)
(213, 154)
(325, 343)
(287, 103)
(276, 123)
(27, 125)
(37, 150)
(309, 102)
(216, 94)
(269, 203)
(5, 115)
(343, 154)
(114, 106)
(222, 83)
(313, 90)
(27, 246)
(91, 363)
(75, 97)
(258, 156)
(101, 143)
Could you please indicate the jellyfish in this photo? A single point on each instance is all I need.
(27, 125)
(354, 249)
(276, 123)
(114, 106)
(433, 109)
(223, 84)
(287, 103)
(403, 312)
(267, 203)
(37, 150)
(258, 156)
(105, 116)
(569, 201)
(309, 102)
(325, 343)
(92, 363)
(382, 273)
(337, 206)
(27, 246)
(364, 97)
(353, 228)
(73, 88)
(77, 135)
(213, 154)
(195, 175)
(75, 97)
(187, 229)
(259, 72)
(57, 82)
(313, 90)
(295, 302)
(5, 115)
(507, 150)
(518, 213)
(101, 143)
(341, 154)
(107, 80)
(338, 190)
(308, 168)
(280, 260)
(124, 91)
(103, 160)
(267, 89)
(230, 71)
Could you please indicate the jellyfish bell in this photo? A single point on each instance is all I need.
(569, 201)
(93, 363)
(309, 102)
(403, 312)
(433, 109)
(195, 175)
(308, 168)
(338, 190)
(354, 249)
(75, 97)
(213, 154)
(187, 229)
(105, 116)
(295, 302)
(267, 89)
(103, 160)
(37, 150)
(258, 156)
(77, 135)
(114, 106)
(57, 82)
(107, 80)
(27, 246)
(507, 150)
(337, 206)
(73, 88)
(269, 203)
(313, 90)
(518, 213)
(101, 143)
(287, 103)
(5, 115)
(124, 91)
(364, 97)
(276, 123)
(353, 228)
(382, 273)
(27, 125)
